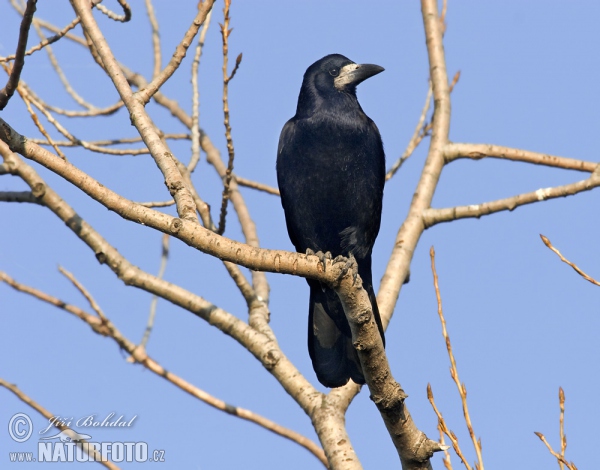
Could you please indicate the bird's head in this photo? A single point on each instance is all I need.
(335, 72)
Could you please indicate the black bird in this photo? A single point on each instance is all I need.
(331, 173)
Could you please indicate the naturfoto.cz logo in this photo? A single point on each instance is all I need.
(70, 446)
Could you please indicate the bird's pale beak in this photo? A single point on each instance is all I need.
(353, 74)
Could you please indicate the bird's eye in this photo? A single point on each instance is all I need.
(334, 72)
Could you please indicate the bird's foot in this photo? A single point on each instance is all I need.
(349, 263)
(322, 256)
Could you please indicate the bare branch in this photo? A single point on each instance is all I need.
(84, 292)
(153, 303)
(414, 448)
(28, 96)
(50, 27)
(225, 32)
(124, 18)
(446, 459)
(422, 130)
(462, 389)
(559, 458)
(107, 142)
(37, 122)
(82, 444)
(157, 203)
(150, 89)
(564, 260)
(155, 39)
(45, 42)
(435, 216)
(15, 73)
(416, 138)
(256, 185)
(454, 151)
(563, 438)
(63, 79)
(18, 196)
(443, 427)
(195, 129)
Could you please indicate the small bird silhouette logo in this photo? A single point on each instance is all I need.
(68, 436)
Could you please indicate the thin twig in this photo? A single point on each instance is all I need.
(421, 131)
(124, 18)
(558, 457)
(83, 291)
(443, 427)
(38, 124)
(462, 390)
(113, 108)
(195, 130)
(416, 138)
(573, 265)
(107, 142)
(45, 42)
(256, 185)
(446, 459)
(225, 32)
(26, 93)
(151, 88)
(157, 203)
(62, 77)
(155, 39)
(15, 73)
(82, 444)
(50, 27)
(164, 257)
(443, 16)
(563, 438)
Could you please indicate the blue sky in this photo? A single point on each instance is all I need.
(521, 322)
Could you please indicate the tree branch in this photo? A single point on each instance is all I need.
(225, 32)
(155, 39)
(435, 216)
(412, 445)
(45, 42)
(15, 74)
(124, 18)
(18, 196)
(151, 88)
(462, 389)
(454, 151)
(565, 260)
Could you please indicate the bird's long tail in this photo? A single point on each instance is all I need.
(334, 358)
